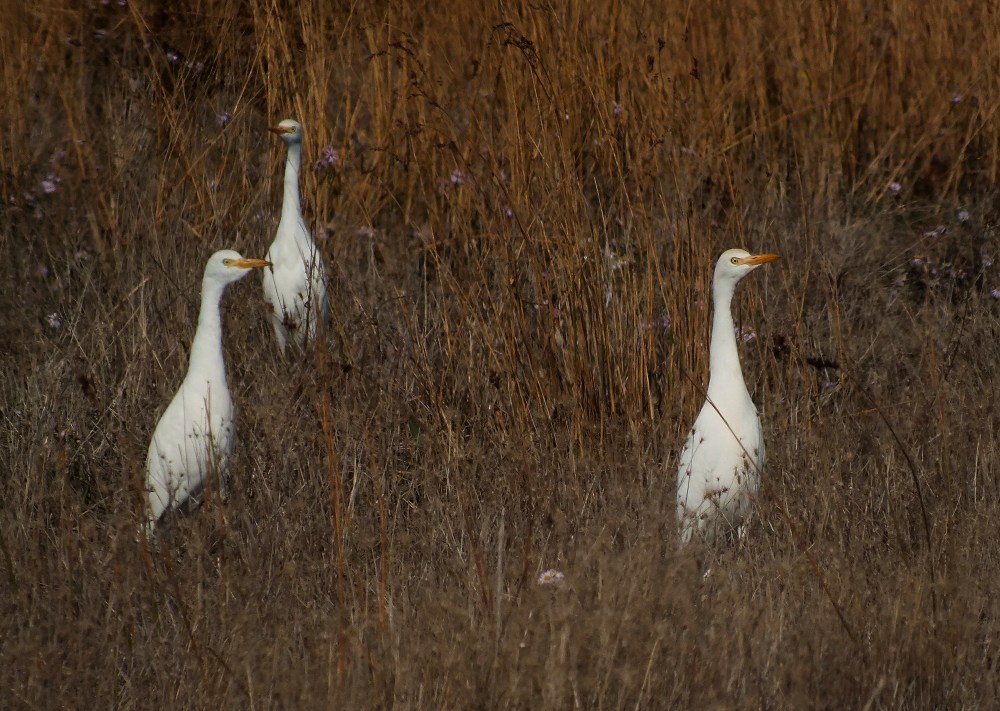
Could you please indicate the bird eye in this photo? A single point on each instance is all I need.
(227, 262)
(735, 260)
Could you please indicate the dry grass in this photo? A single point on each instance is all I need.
(520, 226)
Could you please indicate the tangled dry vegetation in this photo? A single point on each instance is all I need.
(519, 204)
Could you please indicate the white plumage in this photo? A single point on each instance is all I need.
(721, 463)
(295, 286)
(194, 437)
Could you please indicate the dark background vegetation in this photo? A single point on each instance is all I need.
(520, 204)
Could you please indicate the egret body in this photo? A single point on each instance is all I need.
(722, 460)
(194, 437)
(295, 285)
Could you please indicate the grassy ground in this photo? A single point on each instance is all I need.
(519, 204)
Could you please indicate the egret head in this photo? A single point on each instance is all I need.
(289, 130)
(734, 264)
(227, 266)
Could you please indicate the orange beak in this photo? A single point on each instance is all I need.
(250, 263)
(758, 259)
(279, 130)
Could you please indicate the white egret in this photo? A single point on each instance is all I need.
(295, 286)
(194, 437)
(721, 463)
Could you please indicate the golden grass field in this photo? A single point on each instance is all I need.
(519, 205)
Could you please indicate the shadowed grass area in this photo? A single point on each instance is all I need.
(519, 205)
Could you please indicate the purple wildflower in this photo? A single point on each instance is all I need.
(51, 184)
(660, 324)
(995, 293)
(223, 118)
(963, 216)
(895, 187)
(746, 334)
(457, 178)
(172, 57)
(330, 157)
(616, 110)
(550, 577)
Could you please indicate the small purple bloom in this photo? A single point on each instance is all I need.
(457, 178)
(330, 157)
(963, 216)
(100, 34)
(746, 334)
(550, 577)
(895, 187)
(995, 293)
(508, 212)
(172, 57)
(51, 184)
(617, 110)
(660, 324)
(957, 99)
(53, 320)
(223, 118)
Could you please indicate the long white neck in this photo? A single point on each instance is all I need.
(291, 208)
(725, 375)
(206, 361)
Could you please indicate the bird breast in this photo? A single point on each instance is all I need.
(727, 435)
